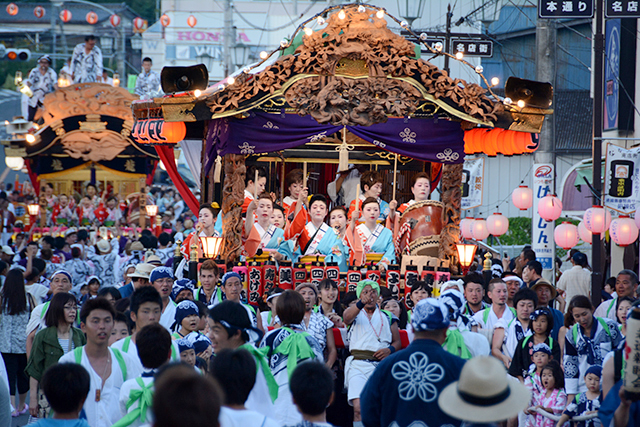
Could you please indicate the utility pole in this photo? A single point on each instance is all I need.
(54, 41)
(544, 158)
(229, 41)
(598, 97)
(447, 39)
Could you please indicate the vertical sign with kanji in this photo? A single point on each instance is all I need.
(622, 179)
(472, 182)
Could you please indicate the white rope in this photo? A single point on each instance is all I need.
(553, 417)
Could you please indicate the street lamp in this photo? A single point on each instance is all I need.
(486, 12)
(107, 43)
(33, 209)
(136, 42)
(466, 253)
(152, 210)
(410, 10)
(241, 54)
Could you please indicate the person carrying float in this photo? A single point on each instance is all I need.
(312, 234)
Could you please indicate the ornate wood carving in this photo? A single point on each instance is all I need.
(451, 197)
(354, 72)
(232, 199)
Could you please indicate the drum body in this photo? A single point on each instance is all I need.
(425, 222)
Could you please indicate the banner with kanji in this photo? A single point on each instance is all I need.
(622, 179)
(472, 182)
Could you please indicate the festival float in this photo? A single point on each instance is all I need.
(352, 91)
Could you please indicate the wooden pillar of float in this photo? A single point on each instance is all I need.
(451, 198)
(232, 200)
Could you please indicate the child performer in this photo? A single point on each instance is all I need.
(371, 186)
(533, 379)
(314, 236)
(553, 399)
(375, 238)
(187, 319)
(586, 403)
(261, 233)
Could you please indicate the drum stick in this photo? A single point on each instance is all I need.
(395, 176)
(304, 174)
(255, 187)
(357, 200)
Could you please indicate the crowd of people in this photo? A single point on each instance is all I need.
(110, 330)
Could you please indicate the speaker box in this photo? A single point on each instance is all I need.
(182, 79)
(534, 94)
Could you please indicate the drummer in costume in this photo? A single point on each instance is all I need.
(261, 233)
(204, 228)
(371, 186)
(313, 235)
(374, 237)
(421, 189)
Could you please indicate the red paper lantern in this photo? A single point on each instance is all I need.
(490, 147)
(497, 224)
(504, 143)
(466, 227)
(550, 208)
(522, 197)
(138, 23)
(12, 9)
(192, 21)
(65, 15)
(115, 20)
(480, 231)
(165, 20)
(597, 219)
(157, 131)
(566, 235)
(39, 12)
(584, 234)
(623, 231)
(92, 18)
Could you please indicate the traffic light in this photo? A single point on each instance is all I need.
(17, 55)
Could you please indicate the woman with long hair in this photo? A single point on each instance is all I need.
(15, 309)
(50, 344)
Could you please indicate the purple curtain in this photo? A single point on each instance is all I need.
(432, 140)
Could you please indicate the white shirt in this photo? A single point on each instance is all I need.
(243, 418)
(36, 321)
(510, 339)
(607, 310)
(370, 334)
(493, 318)
(575, 281)
(168, 317)
(37, 291)
(106, 411)
(132, 351)
(125, 390)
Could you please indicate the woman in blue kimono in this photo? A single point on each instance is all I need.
(261, 233)
(313, 235)
(374, 237)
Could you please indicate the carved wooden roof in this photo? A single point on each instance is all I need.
(356, 71)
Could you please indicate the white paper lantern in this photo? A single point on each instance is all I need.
(497, 224)
(522, 197)
(550, 208)
(597, 219)
(566, 235)
(466, 227)
(480, 231)
(584, 234)
(623, 231)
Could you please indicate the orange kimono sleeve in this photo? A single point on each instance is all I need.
(352, 208)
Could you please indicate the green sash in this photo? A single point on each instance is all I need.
(261, 357)
(295, 347)
(143, 395)
(454, 344)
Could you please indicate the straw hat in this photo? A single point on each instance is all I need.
(484, 394)
(103, 246)
(143, 271)
(544, 282)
